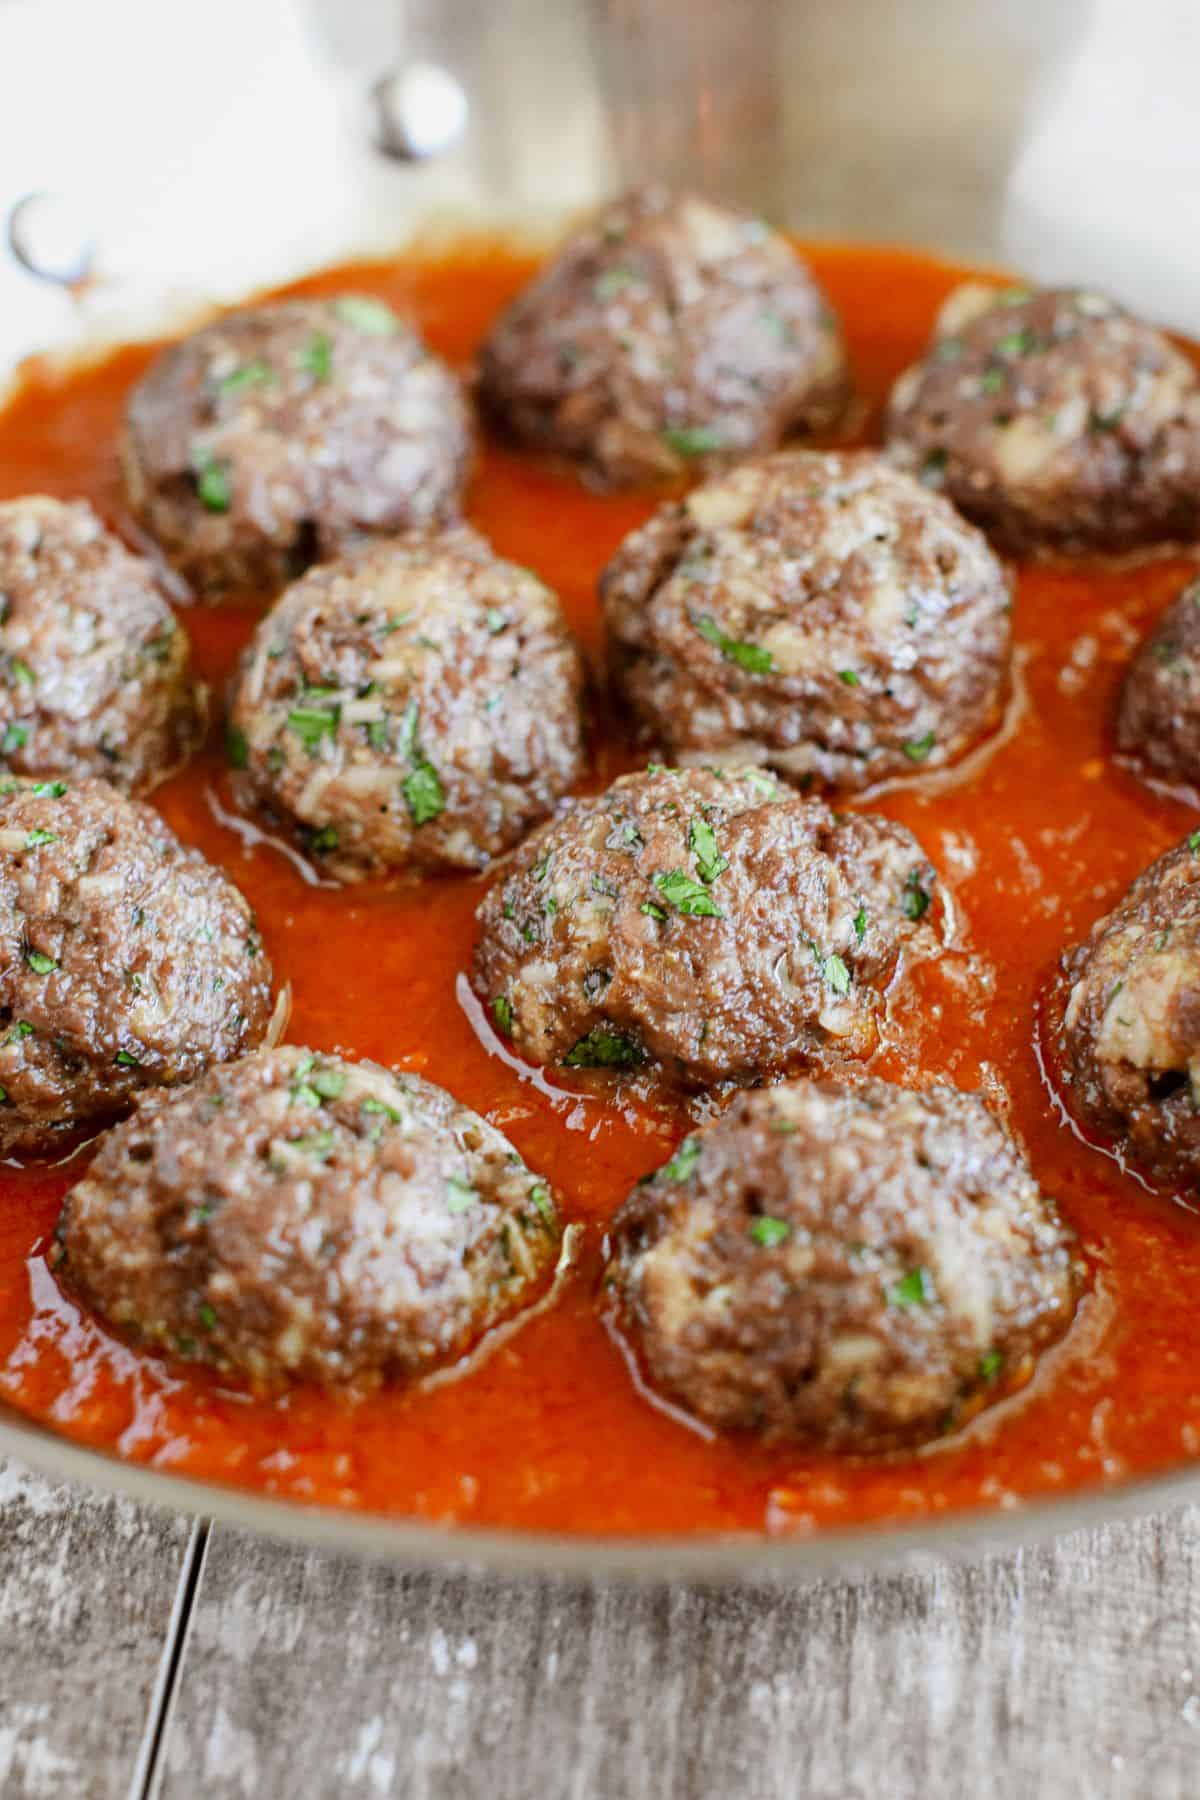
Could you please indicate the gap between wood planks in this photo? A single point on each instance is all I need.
(145, 1781)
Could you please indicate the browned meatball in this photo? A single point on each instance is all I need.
(855, 1266)
(823, 614)
(126, 961)
(1159, 720)
(298, 1217)
(415, 705)
(667, 335)
(714, 924)
(1129, 1036)
(95, 675)
(1053, 419)
(277, 437)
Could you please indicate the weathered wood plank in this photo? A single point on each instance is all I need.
(87, 1588)
(1062, 1672)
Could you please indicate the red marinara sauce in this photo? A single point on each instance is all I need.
(1035, 838)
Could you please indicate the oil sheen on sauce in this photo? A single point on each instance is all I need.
(1035, 839)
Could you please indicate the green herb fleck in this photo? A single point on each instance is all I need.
(313, 724)
(770, 1232)
(213, 486)
(702, 842)
(38, 836)
(604, 1048)
(652, 911)
(542, 1198)
(754, 658)
(990, 1364)
(207, 1316)
(694, 440)
(914, 1289)
(127, 1060)
(365, 314)
(40, 963)
(686, 895)
(461, 1195)
(316, 358)
(237, 751)
(503, 1014)
(684, 1161)
(321, 842)
(849, 677)
(860, 923)
(15, 738)
(917, 749)
(915, 899)
(250, 374)
(423, 793)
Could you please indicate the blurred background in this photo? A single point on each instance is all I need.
(175, 153)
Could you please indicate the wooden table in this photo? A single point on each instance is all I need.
(146, 1654)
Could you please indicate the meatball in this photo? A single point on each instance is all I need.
(1054, 420)
(96, 673)
(823, 614)
(1129, 1034)
(415, 705)
(1159, 720)
(712, 923)
(855, 1266)
(668, 334)
(298, 1217)
(276, 437)
(126, 961)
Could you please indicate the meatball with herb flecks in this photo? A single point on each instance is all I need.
(95, 675)
(416, 705)
(1054, 419)
(281, 435)
(668, 335)
(1129, 1034)
(126, 961)
(299, 1217)
(712, 925)
(1158, 725)
(859, 1267)
(822, 614)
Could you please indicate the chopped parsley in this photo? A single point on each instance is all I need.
(40, 963)
(652, 911)
(248, 375)
(503, 1014)
(15, 738)
(237, 751)
(686, 895)
(423, 793)
(48, 790)
(702, 842)
(914, 1289)
(990, 1364)
(684, 1161)
(321, 842)
(604, 1048)
(328, 1083)
(1193, 842)
(313, 724)
(860, 923)
(319, 1145)
(991, 381)
(754, 658)
(770, 1232)
(834, 972)
(22, 1029)
(316, 358)
(214, 489)
(207, 1316)
(422, 787)
(694, 440)
(917, 749)
(915, 900)
(21, 672)
(461, 1195)
(542, 1198)
(849, 677)
(366, 314)
(127, 1060)
(38, 836)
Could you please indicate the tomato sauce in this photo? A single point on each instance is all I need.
(1036, 836)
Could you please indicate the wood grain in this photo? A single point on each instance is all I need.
(1068, 1671)
(87, 1591)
